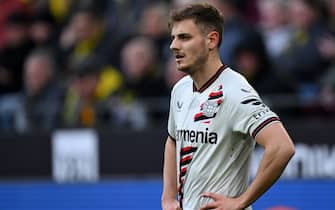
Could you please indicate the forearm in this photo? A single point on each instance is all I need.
(270, 169)
(169, 171)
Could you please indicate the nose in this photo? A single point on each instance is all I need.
(174, 45)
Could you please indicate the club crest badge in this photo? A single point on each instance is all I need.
(210, 107)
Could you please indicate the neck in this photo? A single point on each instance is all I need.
(206, 71)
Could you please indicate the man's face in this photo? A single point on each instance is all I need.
(189, 46)
(37, 75)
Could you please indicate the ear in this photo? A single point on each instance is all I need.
(213, 39)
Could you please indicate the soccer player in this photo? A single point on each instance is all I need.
(215, 119)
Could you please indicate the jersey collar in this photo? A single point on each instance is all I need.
(210, 81)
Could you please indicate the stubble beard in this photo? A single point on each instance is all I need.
(185, 69)
(199, 63)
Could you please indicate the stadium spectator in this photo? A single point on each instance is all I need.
(41, 100)
(302, 64)
(123, 17)
(86, 36)
(327, 42)
(143, 80)
(152, 24)
(12, 55)
(83, 105)
(141, 68)
(274, 26)
(327, 49)
(62, 10)
(235, 29)
(251, 59)
(7, 8)
(43, 30)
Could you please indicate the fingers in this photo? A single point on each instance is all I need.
(210, 195)
(212, 205)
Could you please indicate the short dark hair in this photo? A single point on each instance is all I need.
(203, 14)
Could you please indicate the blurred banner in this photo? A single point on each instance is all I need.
(309, 161)
(144, 194)
(75, 156)
(96, 162)
(79, 155)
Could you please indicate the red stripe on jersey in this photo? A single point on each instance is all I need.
(216, 94)
(186, 158)
(200, 114)
(183, 170)
(186, 149)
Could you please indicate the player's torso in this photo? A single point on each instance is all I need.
(202, 125)
(205, 141)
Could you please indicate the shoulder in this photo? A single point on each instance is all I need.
(236, 87)
(233, 77)
(182, 85)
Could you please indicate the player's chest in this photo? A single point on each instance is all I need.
(200, 110)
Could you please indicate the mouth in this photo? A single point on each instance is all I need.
(179, 57)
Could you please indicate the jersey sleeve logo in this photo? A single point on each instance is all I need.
(209, 108)
(253, 101)
(261, 108)
(179, 104)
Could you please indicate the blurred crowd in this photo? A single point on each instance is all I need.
(107, 63)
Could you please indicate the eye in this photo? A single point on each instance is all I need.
(184, 36)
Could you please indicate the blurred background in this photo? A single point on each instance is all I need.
(84, 98)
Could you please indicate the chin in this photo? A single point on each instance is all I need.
(184, 69)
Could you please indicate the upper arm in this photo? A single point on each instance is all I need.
(275, 135)
(171, 119)
(170, 146)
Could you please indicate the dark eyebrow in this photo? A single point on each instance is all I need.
(181, 35)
